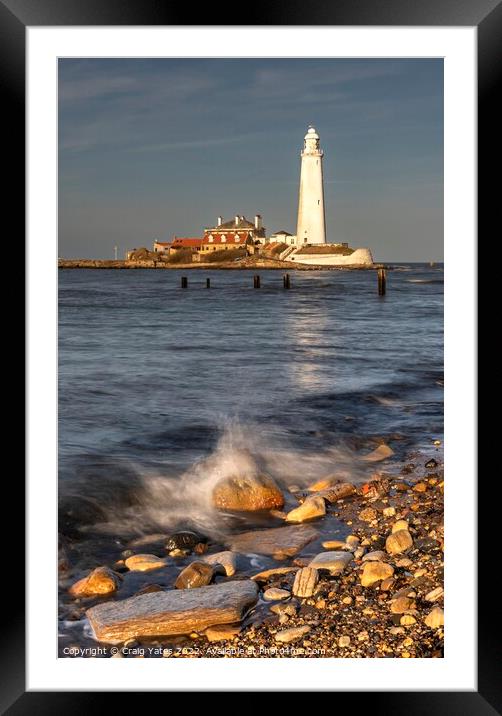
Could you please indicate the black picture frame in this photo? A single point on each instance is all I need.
(15, 17)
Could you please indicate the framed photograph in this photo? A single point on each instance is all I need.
(251, 313)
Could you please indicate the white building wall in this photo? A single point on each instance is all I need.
(360, 257)
(311, 226)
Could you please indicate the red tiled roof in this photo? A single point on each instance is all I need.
(163, 243)
(188, 242)
(230, 238)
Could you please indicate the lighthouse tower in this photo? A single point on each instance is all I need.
(311, 227)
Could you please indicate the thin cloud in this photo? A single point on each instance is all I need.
(192, 144)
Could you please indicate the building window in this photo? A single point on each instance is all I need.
(223, 240)
(211, 239)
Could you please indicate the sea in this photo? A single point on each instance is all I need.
(163, 390)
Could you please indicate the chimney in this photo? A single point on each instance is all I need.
(236, 220)
(220, 221)
(257, 222)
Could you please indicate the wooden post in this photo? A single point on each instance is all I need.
(184, 282)
(256, 282)
(285, 281)
(382, 280)
(208, 283)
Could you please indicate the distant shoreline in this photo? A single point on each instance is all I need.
(261, 264)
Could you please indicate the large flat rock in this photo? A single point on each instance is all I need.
(179, 611)
(286, 541)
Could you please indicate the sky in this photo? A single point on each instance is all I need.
(152, 148)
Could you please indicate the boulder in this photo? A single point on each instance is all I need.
(382, 452)
(398, 542)
(195, 575)
(178, 611)
(334, 562)
(144, 562)
(284, 541)
(248, 493)
(227, 559)
(305, 582)
(374, 572)
(337, 492)
(100, 581)
(185, 540)
(312, 507)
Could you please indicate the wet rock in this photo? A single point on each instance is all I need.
(227, 559)
(224, 632)
(293, 634)
(389, 511)
(382, 452)
(334, 544)
(398, 542)
(335, 562)
(100, 581)
(420, 487)
(323, 484)
(337, 492)
(267, 573)
(377, 487)
(435, 618)
(344, 642)
(184, 540)
(195, 575)
(306, 580)
(200, 548)
(149, 589)
(247, 493)
(172, 612)
(144, 562)
(376, 556)
(368, 514)
(431, 464)
(273, 594)
(285, 541)
(374, 572)
(434, 595)
(313, 506)
(285, 609)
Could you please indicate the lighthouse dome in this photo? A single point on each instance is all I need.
(311, 133)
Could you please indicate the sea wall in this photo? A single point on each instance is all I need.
(360, 257)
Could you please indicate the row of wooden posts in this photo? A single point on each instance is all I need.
(286, 281)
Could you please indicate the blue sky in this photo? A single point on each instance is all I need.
(150, 148)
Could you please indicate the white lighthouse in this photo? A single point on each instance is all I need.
(311, 227)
